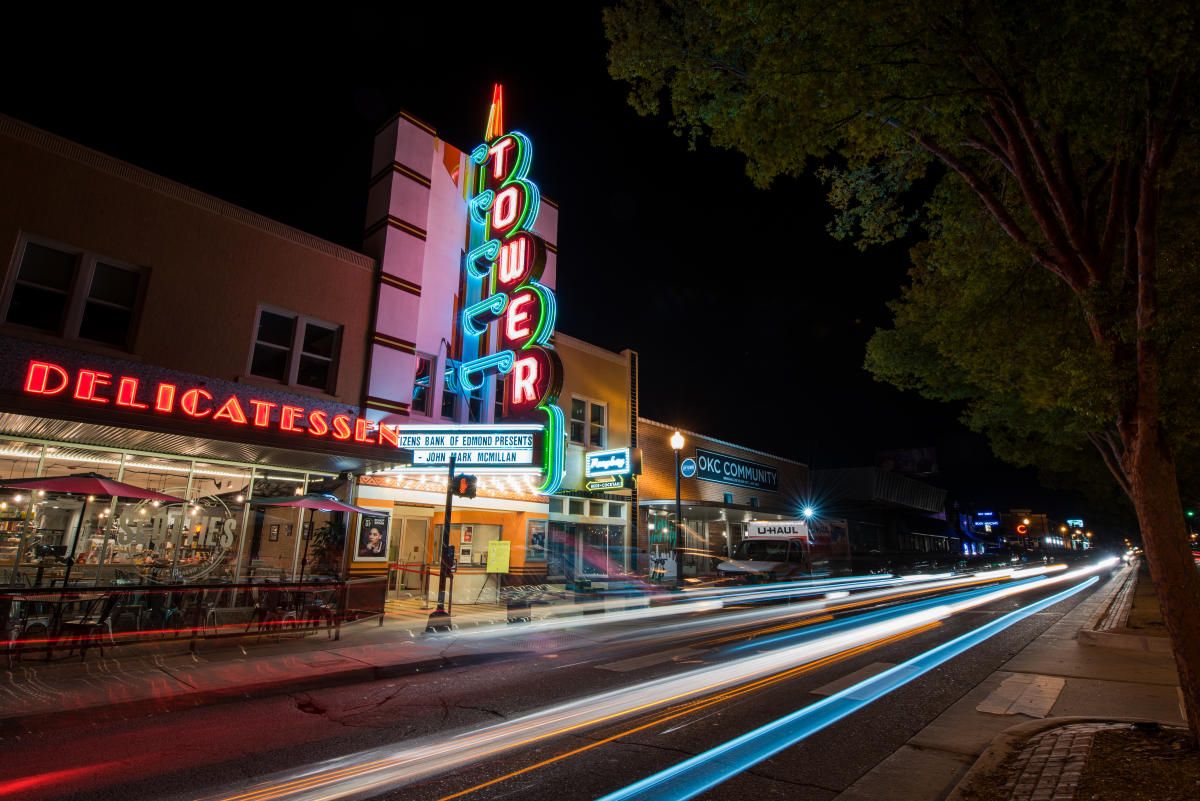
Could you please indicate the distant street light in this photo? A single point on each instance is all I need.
(677, 446)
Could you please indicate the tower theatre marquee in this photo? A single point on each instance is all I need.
(502, 268)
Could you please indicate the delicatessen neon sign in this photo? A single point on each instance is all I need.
(98, 387)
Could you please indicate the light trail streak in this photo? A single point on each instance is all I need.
(391, 766)
(696, 706)
(665, 629)
(704, 771)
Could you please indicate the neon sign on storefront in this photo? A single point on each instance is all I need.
(503, 268)
(97, 387)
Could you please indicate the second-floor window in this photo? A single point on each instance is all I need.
(297, 350)
(589, 423)
(71, 293)
(422, 385)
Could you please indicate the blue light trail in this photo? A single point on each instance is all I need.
(706, 770)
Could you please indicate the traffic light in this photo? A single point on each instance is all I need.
(464, 486)
(1191, 512)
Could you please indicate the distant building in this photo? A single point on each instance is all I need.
(892, 519)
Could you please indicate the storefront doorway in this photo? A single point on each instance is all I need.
(410, 547)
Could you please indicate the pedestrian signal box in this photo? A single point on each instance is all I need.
(464, 486)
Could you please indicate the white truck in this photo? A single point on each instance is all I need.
(773, 550)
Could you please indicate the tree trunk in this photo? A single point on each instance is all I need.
(1164, 535)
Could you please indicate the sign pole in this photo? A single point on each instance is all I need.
(439, 618)
(678, 526)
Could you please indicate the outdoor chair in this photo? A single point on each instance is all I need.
(321, 610)
(84, 631)
(271, 607)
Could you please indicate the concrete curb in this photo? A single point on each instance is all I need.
(1009, 743)
(1127, 642)
(1104, 628)
(50, 721)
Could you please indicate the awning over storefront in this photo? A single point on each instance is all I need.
(715, 510)
(157, 442)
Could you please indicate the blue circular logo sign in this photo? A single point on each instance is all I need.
(687, 468)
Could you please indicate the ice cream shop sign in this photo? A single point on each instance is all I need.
(222, 408)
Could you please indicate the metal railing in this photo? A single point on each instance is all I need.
(45, 620)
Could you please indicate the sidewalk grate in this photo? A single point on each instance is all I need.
(1050, 765)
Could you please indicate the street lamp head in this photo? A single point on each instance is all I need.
(1026, 521)
(808, 512)
(677, 441)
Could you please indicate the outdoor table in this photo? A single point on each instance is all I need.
(57, 602)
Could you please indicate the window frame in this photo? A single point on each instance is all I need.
(78, 292)
(429, 391)
(296, 350)
(588, 405)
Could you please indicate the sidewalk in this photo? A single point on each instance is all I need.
(1056, 679)
(160, 676)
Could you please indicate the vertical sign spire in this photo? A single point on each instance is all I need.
(495, 123)
(503, 265)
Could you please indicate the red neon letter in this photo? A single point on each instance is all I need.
(262, 412)
(164, 401)
(341, 426)
(515, 320)
(499, 155)
(362, 430)
(504, 209)
(388, 435)
(231, 410)
(317, 423)
(525, 376)
(190, 402)
(86, 383)
(287, 418)
(37, 378)
(513, 255)
(127, 394)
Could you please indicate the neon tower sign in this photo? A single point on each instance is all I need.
(503, 265)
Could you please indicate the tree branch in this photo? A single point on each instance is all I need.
(992, 150)
(990, 201)
(1062, 223)
(1116, 203)
(1062, 250)
(1112, 457)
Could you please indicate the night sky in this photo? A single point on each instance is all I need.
(750, 319)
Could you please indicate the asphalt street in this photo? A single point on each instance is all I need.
(220, 751)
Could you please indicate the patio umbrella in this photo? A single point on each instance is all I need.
(86, 484)
(314, 503)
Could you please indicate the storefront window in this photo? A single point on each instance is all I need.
(275, 541)
(18, 459)
(216, 522)
(143, 536)
(602, 549)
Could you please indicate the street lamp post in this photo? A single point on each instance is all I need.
(677, 445)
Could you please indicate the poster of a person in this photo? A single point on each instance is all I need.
(372, 538)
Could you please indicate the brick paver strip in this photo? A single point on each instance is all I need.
(1049, 766)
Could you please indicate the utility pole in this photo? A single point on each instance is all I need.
(439, 618)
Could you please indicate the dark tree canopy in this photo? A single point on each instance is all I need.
(1034, 124)
(1057, 144)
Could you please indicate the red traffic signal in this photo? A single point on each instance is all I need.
(464, 486)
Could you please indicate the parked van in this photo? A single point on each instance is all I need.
(775, 550)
